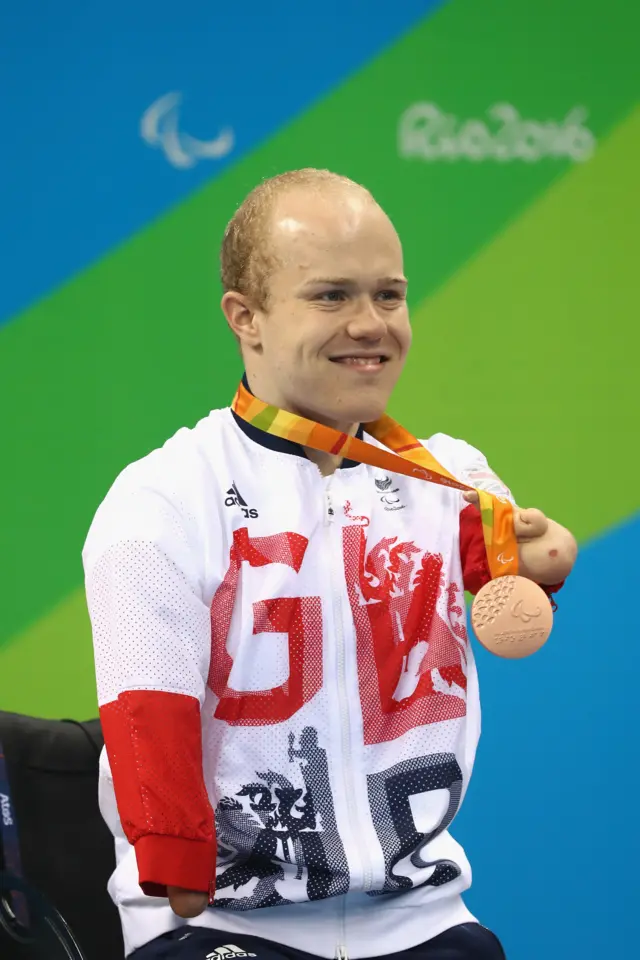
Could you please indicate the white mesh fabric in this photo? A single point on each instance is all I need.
(467, 464)
(150, 625)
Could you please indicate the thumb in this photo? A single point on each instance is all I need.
(187, 903)
(530, 523)
(471, 496)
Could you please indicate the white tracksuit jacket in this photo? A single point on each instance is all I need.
(287, 690)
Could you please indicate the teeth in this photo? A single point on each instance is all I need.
(364, 361)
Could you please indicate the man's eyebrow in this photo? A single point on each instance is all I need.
(335, 281)
(346, 281)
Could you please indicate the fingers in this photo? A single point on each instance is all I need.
(530, 523)
(187, 903)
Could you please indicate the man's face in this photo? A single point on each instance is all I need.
(334, 336)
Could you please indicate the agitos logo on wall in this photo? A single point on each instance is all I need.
(160, 128)
(427, 132)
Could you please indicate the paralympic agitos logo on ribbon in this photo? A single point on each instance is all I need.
(428, 133)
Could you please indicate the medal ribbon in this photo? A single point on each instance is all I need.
(404, 454)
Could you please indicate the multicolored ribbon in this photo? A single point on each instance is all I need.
(404, 455)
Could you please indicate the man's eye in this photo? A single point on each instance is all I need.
(332, 296)
(389, 295)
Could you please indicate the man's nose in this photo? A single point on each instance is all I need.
(366, 322)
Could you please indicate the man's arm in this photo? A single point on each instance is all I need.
(151, 634)
(546, 550)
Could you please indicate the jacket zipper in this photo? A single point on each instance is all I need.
(343, 699)
(329, 516)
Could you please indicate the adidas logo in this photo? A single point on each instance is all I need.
(226, 952)
(234, 499)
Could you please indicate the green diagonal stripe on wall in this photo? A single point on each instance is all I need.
(543, 445)
(47, 670)
(529, 352)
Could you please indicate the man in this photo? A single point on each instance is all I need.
(287, 691)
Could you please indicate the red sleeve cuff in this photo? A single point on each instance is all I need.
(174, 862)
(550, 590)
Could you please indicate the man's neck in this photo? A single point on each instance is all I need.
(327, 463)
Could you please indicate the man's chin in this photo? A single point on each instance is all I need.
(346, 418)
(363, 406)
(364, 412)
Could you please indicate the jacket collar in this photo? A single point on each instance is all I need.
(278, 443)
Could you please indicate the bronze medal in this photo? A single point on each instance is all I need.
(512, 617)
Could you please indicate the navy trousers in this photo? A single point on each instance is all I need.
(468, 941)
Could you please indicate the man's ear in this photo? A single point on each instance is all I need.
(242, 318)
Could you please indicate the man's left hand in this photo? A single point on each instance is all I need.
(546, 550)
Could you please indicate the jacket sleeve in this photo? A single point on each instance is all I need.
(151, 634)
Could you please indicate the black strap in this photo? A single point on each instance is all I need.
(9, 841)
(33, 927)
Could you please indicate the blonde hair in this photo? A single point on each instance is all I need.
(245, 258)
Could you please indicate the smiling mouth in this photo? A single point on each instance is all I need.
(360, 361)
